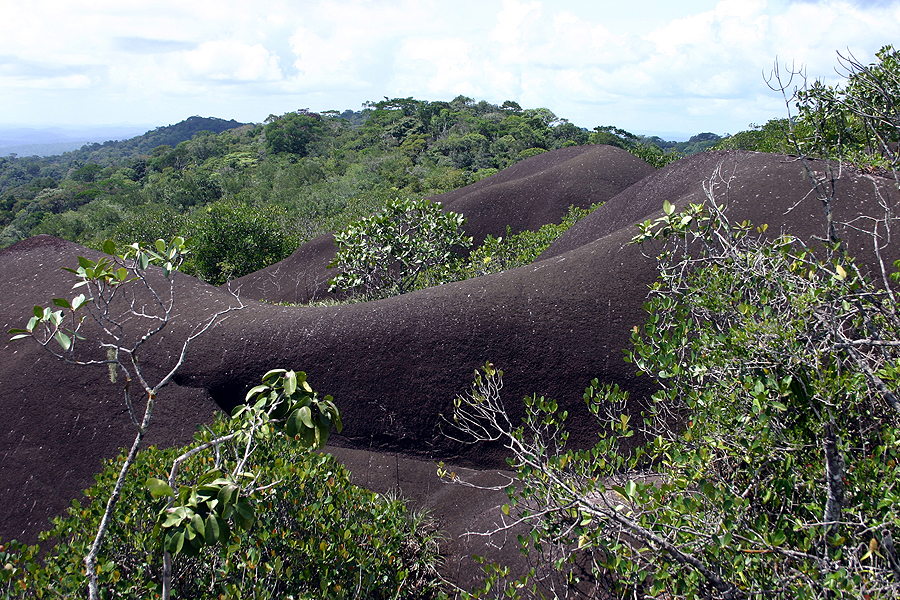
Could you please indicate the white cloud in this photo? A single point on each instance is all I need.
(442, 68)
(70, 82)
(229, 60)
(682, 66)
(510, 20)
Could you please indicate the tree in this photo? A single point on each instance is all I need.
(770, 137)
(198, 515)
(767, 463)
(125, 304)
(293, 133)
(232, 239)
(315, 534)
(857, 123)
(649, 152)
(385, 254)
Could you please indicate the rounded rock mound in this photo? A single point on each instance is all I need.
(394, 365)
(525, 196)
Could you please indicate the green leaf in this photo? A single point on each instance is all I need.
(293, 425)
(174, 542)
(160, 246)
(159, 488)
(306, 416)
(272, 373)
(322, 432)
(244, 515)
(109, 247)
(290, 383)
(62, 302)
(631, 489)
(668, 207)
(63, 340)
(212, 531)
(198, 525)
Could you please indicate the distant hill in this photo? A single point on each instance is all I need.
(43, 150)
(169, 135)
(104, 142)
(697, 143)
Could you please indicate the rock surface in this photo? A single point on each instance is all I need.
(394, 366)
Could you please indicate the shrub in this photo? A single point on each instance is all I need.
(315, 535)
(384, 255)
(232, 239)
(765, 466)
(516, 249)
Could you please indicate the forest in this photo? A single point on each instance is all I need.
(284, 181)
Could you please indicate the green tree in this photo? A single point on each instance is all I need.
(772, 137)
(649, 152)
(314, 534)
(293, 132)
(232, 239)
(780, 365)
(385, 254)
(111, 285)
(857, 122)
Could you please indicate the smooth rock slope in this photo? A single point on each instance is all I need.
(393, 366)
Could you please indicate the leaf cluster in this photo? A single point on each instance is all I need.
(314, 534)
(385, 254)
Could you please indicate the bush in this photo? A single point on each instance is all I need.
(515, 250)
(315, 535)
(232, 239)
(385, 254)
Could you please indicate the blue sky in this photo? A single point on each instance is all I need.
(644, 65)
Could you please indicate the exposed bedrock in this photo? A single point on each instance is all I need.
(529, 194)
(393, 366)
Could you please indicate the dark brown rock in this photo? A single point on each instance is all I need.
(532, 193)
(393, 366)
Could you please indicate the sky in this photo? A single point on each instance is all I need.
(648, 66)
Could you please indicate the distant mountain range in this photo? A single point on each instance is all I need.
(50, 141)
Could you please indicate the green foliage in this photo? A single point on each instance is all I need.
(856, 122)
(293, 132)
(650, 152)
(772, 137)
(654, 155)
(780, 363)
(321, 171)
(102, 279)
(112, 286)
(232, 239)
(385, 254)
(202, 514)
(314, 534)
